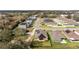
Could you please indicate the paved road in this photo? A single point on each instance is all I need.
(31, 37)
(38, 23)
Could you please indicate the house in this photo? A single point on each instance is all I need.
(72, 35)
(22, 25)
(25, 24)
(57, 36)
(49, 22)
(28, 23)
(32, 17)
(41, 35)
(29, 20)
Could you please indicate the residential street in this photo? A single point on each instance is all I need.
(31, 37)
(37, 23)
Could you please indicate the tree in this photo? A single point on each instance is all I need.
(17, 44)
(69, 16)
(67, 31)
(19, 32)
(6, 35)
(76, 17)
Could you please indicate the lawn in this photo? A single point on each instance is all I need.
(44, 26)
(59, 45)
(42, 44)
(68, 45)
(50, 44)
(55, 45)
(65, 46)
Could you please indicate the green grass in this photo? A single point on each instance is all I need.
(58, 45)
(48, 27)
(55, 45)
(37, 44)
(45, 27)
(46, 43)
(65, 46)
